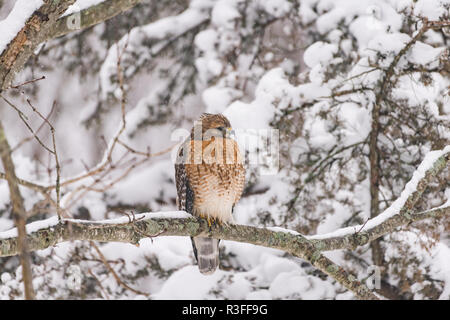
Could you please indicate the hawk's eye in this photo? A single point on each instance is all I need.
(222, 129)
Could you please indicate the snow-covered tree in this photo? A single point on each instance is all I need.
(96, 95)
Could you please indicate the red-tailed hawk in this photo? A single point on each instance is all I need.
(209, 175)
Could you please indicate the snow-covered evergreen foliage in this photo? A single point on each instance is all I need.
(315, 70)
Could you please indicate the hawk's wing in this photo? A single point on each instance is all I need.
(239, 173)
(185, 195)
(184, 192)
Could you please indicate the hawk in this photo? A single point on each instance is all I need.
(209, 176)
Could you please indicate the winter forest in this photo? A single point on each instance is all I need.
(341, 110)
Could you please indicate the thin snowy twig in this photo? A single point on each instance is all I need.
(27, 139)
(53, 151)
(17, 86)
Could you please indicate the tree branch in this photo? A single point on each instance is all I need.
(46, 233)
(181, 224)
(35, 31)
(355, 239)
(400, 213)
(19, 214)
(46, 23)
(375, 170)
(90, 16)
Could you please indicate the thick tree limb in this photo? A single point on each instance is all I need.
(90, 16)
(156, 225)
(45, 24)
(153, 225)
(35, 31)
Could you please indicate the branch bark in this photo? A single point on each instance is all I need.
(152, 225)
(37, 27)
(90, 16)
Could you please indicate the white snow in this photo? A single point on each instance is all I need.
(30, 227)
(194, 285)
(161, 31)
(81, 5)
(276, 8)
(225, 13)
(16, 19)
(319, 52)
(431, 9)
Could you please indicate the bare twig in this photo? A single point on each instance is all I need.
(105, 294)
(17, 86)
(21, 143)
(115, 275)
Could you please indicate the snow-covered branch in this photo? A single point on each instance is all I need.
(34, 22)
(43, 234)
(26, 33)
(88, 17)
(400, 213)
(343, 239)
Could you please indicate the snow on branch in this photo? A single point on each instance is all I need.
(21, 42)
(46, 233)
(398, 214)
(32, 22)
(89, 16)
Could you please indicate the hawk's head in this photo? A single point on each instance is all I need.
(211, 125)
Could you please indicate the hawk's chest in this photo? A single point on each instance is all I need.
(214, 190)
(216, 178)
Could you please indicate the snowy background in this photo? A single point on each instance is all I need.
(311, 69)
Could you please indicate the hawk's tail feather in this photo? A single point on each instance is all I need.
(206, 251)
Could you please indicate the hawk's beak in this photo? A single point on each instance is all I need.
(230, 133)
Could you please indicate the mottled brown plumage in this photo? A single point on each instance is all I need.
(209, 175)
